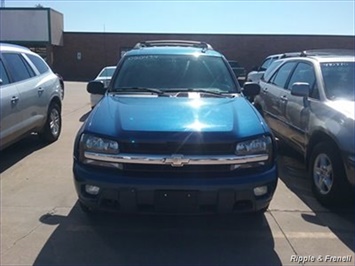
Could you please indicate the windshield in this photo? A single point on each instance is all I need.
(174, 72)
(266, 64)
(339, 80)
(107, 72)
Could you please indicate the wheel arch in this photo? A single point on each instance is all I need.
(57, 101)
(316, 138)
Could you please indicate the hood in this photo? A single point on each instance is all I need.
(118, 116)
(347, 108)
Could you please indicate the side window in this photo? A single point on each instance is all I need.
(281, 76)
(303, 73)
(270, 70)
(18, 67)
(39, 63)
(3, 75)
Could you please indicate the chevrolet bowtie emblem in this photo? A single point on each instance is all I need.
(176, 160)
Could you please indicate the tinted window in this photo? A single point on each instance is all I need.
(303, 73)
(281, 76)
(18, 67)
(3, 75)
(174, 72)
(339, 80)
(39, 63)
(270, 70)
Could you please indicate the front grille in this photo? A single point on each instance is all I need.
(177, 148)
(189, 171)
(169, 169)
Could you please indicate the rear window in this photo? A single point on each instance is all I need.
(39, 63)
(175, 71)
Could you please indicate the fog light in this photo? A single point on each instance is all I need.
(92, 190)
(260, 191)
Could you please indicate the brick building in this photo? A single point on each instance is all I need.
(80, 56)
(84, 54)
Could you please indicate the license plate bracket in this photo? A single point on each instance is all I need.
(176, 201)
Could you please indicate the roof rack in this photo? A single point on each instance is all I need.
(202, 45)
(327, 52)
(291, 54)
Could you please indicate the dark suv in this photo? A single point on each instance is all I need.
(308, 101)
(174, 133)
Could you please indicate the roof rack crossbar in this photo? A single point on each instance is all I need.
(202, 45)
(327, 52)
(290, 54)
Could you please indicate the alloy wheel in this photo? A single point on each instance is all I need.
(54, 123)
(323, 173)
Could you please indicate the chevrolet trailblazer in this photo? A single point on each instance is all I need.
(174, 133)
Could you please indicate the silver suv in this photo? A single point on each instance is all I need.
(257, 72)
(30, 96)
(308, 101)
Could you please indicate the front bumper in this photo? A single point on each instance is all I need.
(173, 193)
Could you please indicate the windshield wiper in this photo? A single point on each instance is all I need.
(205, 91)
(138, 89)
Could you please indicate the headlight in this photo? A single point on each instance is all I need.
(262, 145)
(94, 143)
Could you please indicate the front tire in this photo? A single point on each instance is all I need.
(328, 176)
(53, 125)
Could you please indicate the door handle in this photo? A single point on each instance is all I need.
(14, 99)
(284, 98)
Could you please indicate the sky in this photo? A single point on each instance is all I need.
(317, 17)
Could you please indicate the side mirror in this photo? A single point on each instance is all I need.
(301, 89)
(96, 87)
(251, 89)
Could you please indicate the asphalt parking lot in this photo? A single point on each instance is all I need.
(42, 224)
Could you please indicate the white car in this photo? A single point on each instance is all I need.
(104, 76)
(257, 72)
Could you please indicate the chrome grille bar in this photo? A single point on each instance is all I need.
(176, 160)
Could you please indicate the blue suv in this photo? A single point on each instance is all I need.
(174, 133)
